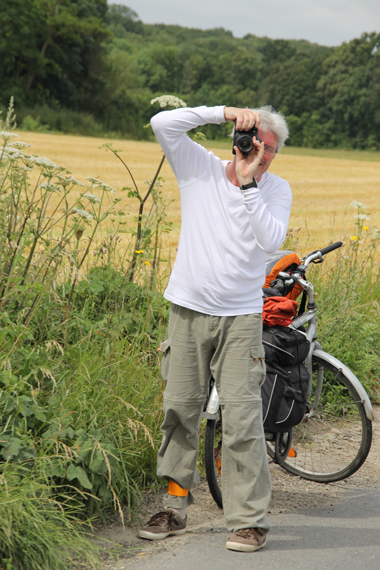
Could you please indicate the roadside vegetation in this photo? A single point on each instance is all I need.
(82, 315)
(81, 320)
(347, 287)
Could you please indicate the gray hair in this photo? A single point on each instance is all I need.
(274, 121)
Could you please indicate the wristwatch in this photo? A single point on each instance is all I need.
(253, 184)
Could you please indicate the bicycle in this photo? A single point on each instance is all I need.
(334, 438)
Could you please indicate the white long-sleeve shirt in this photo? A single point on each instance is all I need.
(226, 233)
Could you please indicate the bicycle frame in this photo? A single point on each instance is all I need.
(310, 316)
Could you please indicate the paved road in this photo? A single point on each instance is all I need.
(345, 536)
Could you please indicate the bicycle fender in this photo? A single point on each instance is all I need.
(207, 416)
(351, 376)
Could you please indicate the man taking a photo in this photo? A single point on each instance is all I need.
(233, 214)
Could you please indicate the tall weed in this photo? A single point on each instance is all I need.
(348, 294)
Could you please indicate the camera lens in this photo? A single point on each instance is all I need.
(245, 143)
(243, 140)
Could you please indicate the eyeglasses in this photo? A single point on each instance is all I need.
(269, 150)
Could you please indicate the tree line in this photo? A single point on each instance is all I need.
(84, 61)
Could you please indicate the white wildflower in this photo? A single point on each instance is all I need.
(5, 135)
(50, 187)
(15, 154)
(100, 184)
(356, 204)
(74, 181)
(108, 188)
(83, 213)
(41, 161)
(94, 180)
(362, 217)
(92, 198)
(20, 144)
(170, 100)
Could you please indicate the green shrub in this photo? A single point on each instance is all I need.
(33, 124)
(47, 119)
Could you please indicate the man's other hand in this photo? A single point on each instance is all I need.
(244, 119)
(246, 167)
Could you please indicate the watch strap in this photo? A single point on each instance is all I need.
(252, 184)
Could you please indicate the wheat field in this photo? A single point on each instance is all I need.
(322, 187)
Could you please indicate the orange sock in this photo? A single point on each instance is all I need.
(176, 490)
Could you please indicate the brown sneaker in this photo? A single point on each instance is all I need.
(247, 540)
(162, 525)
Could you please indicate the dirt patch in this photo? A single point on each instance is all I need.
(289, 494)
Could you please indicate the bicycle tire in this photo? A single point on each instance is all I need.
(213, 458)
(333, 441)
(344, 462)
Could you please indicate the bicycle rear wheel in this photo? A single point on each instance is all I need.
(213, 458)
(333, 440)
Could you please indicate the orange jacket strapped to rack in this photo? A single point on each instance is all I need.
(279, 311)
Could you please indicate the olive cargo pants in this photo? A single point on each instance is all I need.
(230, 349)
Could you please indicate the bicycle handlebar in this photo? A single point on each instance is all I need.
(318, 254)
(331, 247)
(284, 280)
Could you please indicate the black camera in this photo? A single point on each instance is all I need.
(243, 140)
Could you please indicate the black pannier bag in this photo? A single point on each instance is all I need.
(284, 390)
(284, 346)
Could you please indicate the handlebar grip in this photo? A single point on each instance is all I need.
(331, 247)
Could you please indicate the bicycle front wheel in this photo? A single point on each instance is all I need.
(334, 437)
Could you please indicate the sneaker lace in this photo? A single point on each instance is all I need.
(250, 532)
(160, 518)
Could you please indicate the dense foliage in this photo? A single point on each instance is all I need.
(104, 65)
(81, 318)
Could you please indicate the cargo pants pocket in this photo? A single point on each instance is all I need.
(165, 360)
(258, 355)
